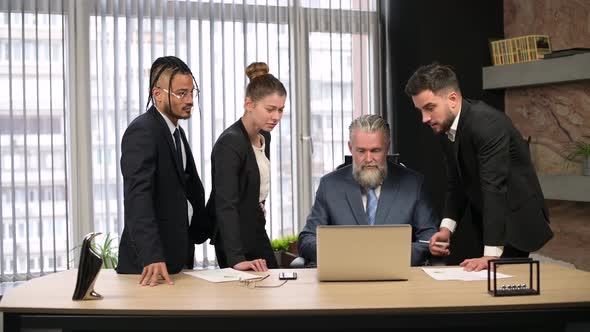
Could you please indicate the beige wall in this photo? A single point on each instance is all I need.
(556, 114)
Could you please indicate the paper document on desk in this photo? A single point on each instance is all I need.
(457, 273)
(222, 275)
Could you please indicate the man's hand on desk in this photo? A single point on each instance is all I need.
(152, 273)
(442, 236)
(476, 264)
(258, 265)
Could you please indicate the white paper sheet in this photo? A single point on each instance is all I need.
(221, 275)
(457, 273)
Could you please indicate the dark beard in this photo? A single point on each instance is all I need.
(446, 126)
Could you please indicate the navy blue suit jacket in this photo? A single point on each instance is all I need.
(338, 201)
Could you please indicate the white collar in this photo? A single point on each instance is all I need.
(453, 130)
(171, 125)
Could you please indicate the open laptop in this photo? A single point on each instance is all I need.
(360, 253)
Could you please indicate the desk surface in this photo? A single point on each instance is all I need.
(560, 287)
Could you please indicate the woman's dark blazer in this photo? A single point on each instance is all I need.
(240, 233)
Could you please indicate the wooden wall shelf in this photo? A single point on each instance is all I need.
(565, 187)
(557, 70)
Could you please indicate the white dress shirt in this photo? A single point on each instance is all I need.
(263, 169)
(172, 128)
(451, 224)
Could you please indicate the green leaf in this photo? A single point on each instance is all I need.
(107, 250)
(282, 244)
(578, 150)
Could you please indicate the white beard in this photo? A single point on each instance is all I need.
(369, 178)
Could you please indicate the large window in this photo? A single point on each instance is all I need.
(323, 51)
(34, 210)
(218, 40)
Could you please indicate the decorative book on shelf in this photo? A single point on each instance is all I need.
(519, 49)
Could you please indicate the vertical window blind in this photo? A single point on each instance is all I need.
(323, 51)
(33, 140)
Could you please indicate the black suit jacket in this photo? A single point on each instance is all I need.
(240, 232)
(156, 190)
(490, 168)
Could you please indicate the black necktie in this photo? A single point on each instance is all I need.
(178, 148)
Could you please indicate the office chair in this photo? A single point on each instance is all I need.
(392, 158)
(300, 263)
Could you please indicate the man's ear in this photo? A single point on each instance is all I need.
(350, 147)
(156, 92)
(453, 98)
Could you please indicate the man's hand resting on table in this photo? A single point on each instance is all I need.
(476, 264)
(152, 273)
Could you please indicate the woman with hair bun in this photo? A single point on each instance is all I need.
(241, 176)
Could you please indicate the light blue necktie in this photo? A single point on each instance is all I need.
(371, 205)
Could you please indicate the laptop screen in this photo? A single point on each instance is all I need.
(378, 252)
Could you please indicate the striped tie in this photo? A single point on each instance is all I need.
(371, 205)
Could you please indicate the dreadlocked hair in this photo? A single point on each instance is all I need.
(167, 64)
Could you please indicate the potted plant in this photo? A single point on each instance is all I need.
(285, 249)
(108, 251)
(580, 151)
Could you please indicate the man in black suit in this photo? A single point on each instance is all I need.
(164, 198)
(489, 169)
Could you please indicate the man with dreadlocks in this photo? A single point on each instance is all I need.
(164, 198)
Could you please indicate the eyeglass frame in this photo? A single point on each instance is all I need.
(198, 96)
(195, 96)
(251, 283)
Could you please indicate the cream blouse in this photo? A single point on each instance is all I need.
(263, 168)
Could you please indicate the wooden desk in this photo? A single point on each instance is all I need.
(301, 304)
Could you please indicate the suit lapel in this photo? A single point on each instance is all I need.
(191, 168)
(165, 131)
(456, 145)
(193, 184)
(455, 149)
(355, 200)
(250, 156)
(389, 191)
(266, 136)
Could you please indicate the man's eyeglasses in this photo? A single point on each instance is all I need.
(194, 93)
(252, 283)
